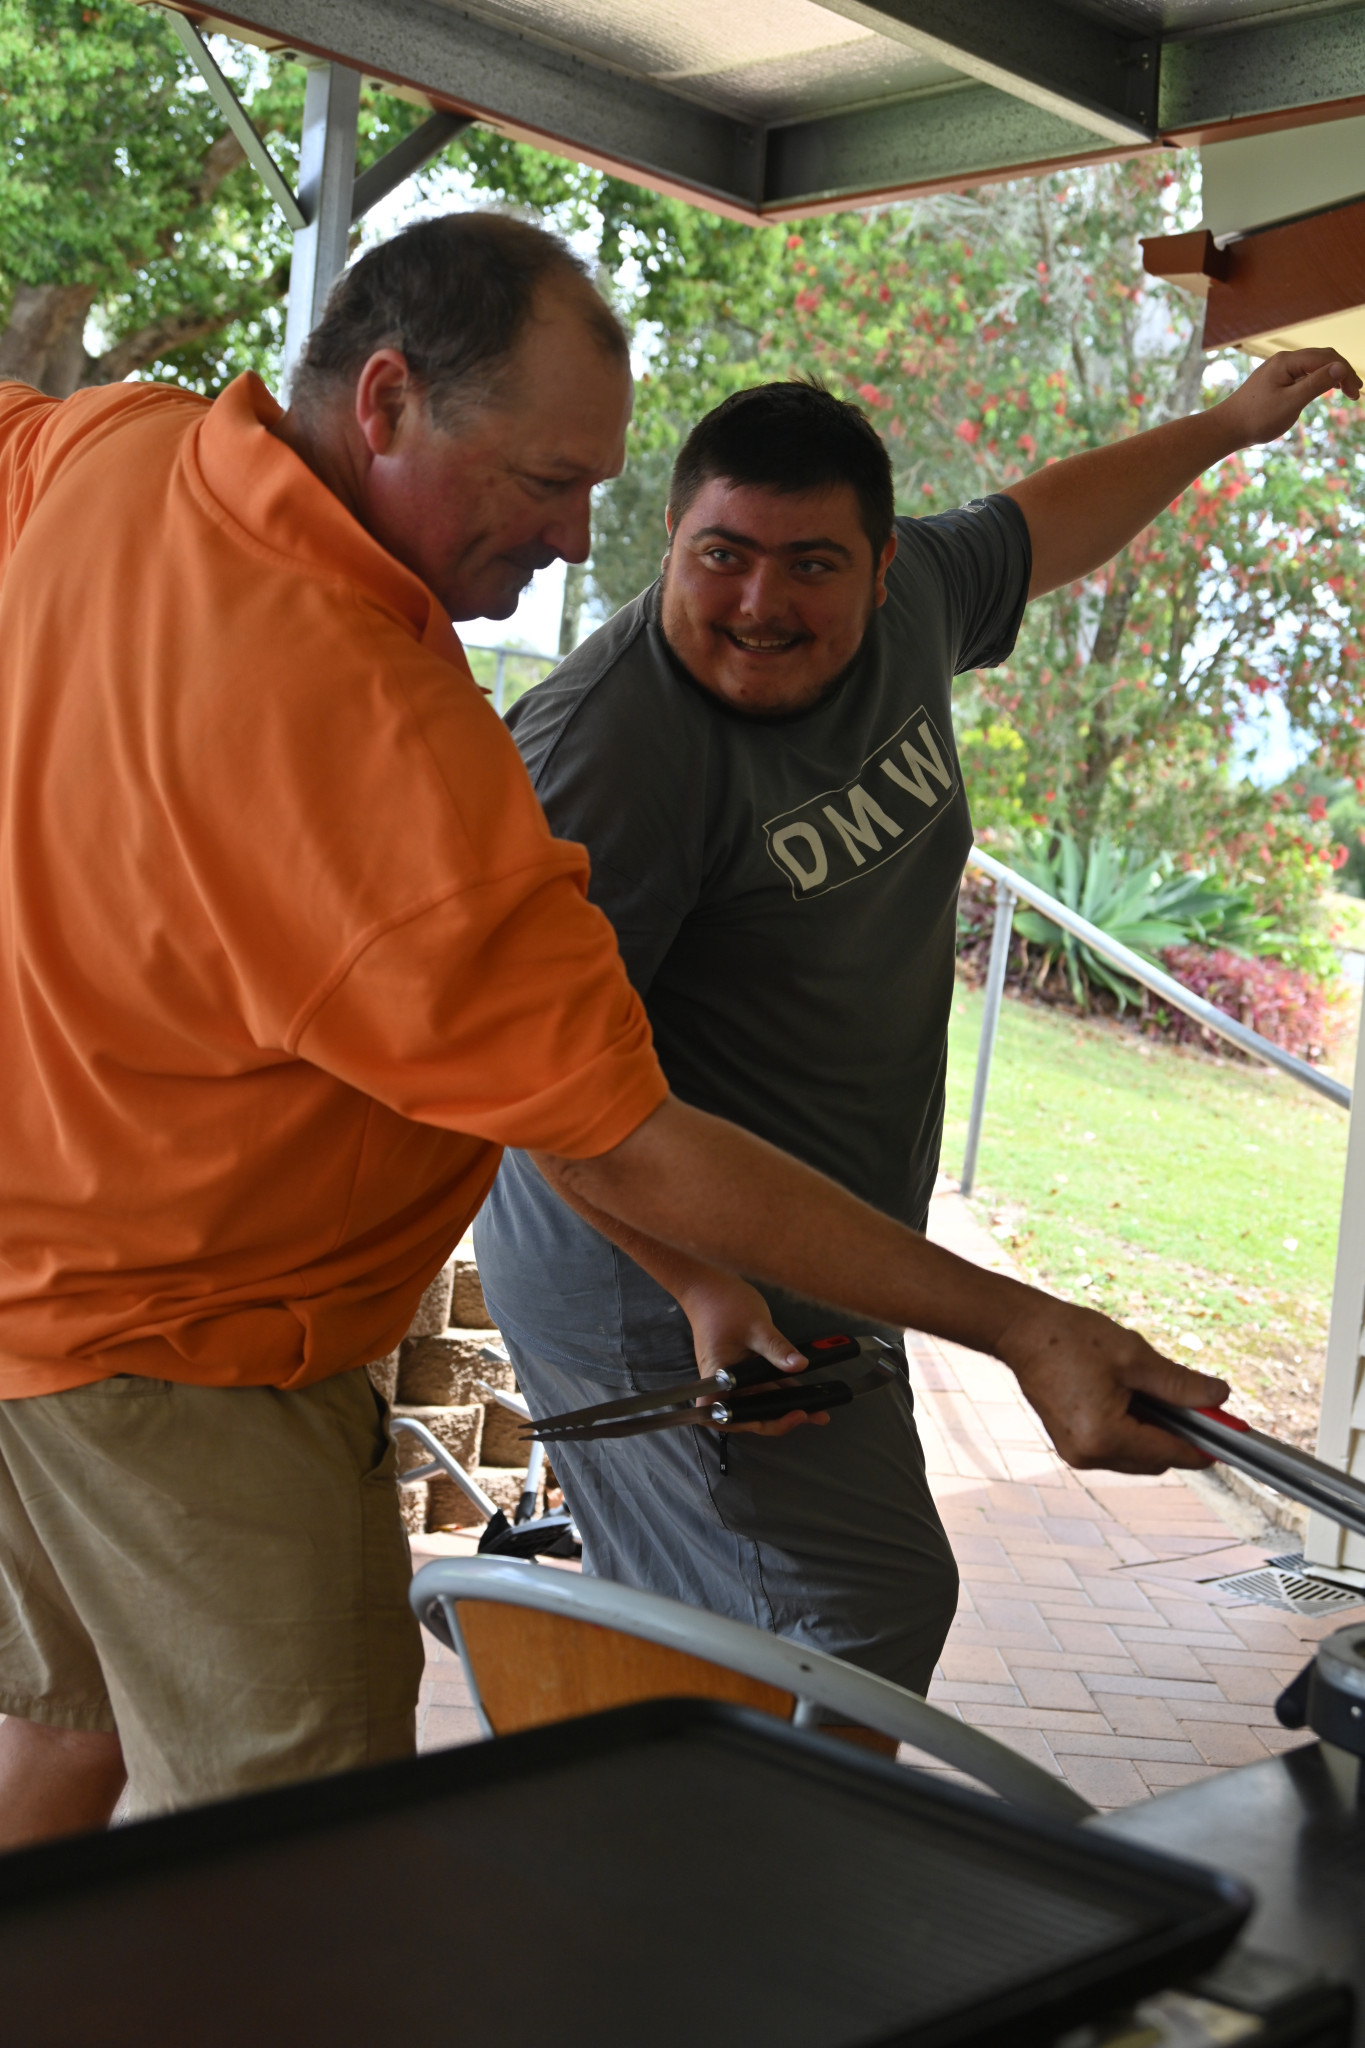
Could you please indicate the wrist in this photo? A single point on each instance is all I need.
(1015, 1321)
(701, 1290)
(1220, 431)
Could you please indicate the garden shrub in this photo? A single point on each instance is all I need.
(1284, 1003)
(994, 768)
(1134, 900)
(1281, 1002)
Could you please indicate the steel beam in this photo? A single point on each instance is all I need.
(494, 73)
(1264, 68)
(331, 104)
(932, 138)
(1049, 56)
(236, 116)
(637, 129)
(398, 164)
(1044, 84)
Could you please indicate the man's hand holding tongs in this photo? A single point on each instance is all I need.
(730, 1321)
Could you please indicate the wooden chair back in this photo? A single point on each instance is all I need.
(530, 1667)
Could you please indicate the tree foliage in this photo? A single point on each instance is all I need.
(127, 209)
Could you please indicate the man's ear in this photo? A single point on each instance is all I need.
(884, 561)
(384, 390)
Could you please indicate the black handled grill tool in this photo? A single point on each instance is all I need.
(839, 1370)
(1234, 1442)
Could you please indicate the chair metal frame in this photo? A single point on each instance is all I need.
(821, 1685)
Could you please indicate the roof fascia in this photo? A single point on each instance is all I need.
(1282, 275)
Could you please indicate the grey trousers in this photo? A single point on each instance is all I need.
(828, 1536)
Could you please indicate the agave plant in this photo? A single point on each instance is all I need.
(1135, 901)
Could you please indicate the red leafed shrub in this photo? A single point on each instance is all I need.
(1283, 1003)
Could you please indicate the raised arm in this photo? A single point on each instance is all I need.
(722, 1196)
(1083, 511)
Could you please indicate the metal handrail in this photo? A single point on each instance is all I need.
(1012, 887)
(506, 654)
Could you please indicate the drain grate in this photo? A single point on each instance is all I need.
(1283, 1582)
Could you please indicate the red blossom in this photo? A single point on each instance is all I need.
(968, 431)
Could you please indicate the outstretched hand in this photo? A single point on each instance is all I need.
(1078, 1370)
(1275, 393)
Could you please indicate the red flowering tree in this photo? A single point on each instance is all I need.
(992, 333)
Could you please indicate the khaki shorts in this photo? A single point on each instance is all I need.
(217, 1575)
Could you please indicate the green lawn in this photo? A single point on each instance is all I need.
(1195, 1198)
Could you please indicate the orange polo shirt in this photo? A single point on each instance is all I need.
(287, 952)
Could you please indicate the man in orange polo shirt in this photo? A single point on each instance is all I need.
(287, 954)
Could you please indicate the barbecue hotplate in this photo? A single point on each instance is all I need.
(679, 1873)
(1293, 1828)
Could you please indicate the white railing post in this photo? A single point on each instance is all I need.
(1005, 900)
(1341, 1429)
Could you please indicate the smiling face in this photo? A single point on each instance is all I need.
(477, 510)
(767, 595)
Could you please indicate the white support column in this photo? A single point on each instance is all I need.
(326, 187)
(1341, 1432)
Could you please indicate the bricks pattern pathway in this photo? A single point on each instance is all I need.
(1087, 1636)
(444, 1713)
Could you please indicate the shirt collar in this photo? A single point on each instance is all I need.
(257, 481)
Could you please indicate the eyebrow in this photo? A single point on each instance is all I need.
(820, 545)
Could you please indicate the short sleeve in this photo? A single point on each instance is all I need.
(982, 558)
(502, 1012)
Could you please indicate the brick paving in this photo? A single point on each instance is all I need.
(444, 1714)
(1087, 1635)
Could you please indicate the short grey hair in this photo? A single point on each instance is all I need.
(454, 295)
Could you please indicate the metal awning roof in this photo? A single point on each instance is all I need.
(772, 108)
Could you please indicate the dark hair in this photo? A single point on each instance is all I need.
(454, 294)
(789, 437)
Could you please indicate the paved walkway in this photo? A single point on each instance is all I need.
(1087, 1634)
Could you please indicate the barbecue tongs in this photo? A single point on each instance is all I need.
(1338, 1495)
(840, 1369)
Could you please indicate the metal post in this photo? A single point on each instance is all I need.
(500, 681)
(1341, 1428)
(331, 107)
(1005, 900)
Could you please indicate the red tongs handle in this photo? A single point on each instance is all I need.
(1228, 1421)
(1234, 1442)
